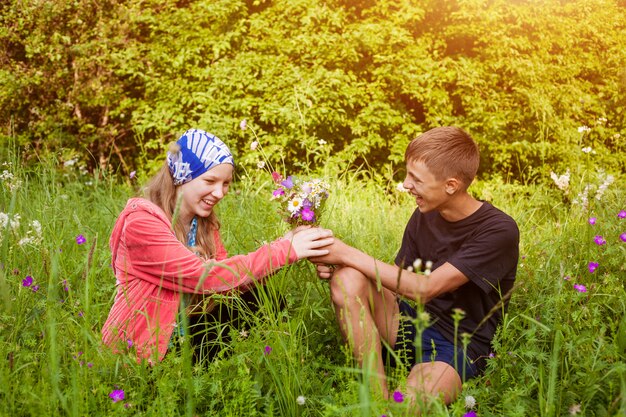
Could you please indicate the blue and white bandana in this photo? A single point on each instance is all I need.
(199, 152)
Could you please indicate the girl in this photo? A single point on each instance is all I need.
(161, 252)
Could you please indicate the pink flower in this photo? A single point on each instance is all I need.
(278, 192)
(592, 220)
(580, 288)
(470, 414)
(623, 237)
(599, 240)
(308, 214)
(80, 239)
(243, 124)
(622, 214)
(277, 177)
(398, 397)
(28, 281)
(593, 266)
(117, 395)
(133, 174)
(267, 350)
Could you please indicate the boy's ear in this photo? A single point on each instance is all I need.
(452, 186)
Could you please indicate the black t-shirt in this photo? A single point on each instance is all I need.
(484, 247)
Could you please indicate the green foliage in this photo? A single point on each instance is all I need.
(112, 82)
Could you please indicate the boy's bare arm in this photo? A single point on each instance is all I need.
(418, 287)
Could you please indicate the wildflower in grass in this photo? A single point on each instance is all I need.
(622, 214)
(89, 365)
(583, 129)
(397, 396)
(587, 149)
(592, 220)
(267, 350)
(81, 314)
(65, 287)
(608, 180)
(243, 124)
(254, 145)
(593, 266)
(28, 281)
(599, 240)
(566, 277)
(470, 414)
(575, 409)
(117, 395)
(277, 193)
(35, 288)
(129, 343)
(80, 239)
(133, 174)
(623, 237)
(470, 402)
(301, 399)
(561, 181)
(260, 164)
(580, 288)
(321, 142)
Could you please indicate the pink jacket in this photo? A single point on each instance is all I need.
(153, 268)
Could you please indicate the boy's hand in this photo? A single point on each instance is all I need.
(325, 271)
(338, 253)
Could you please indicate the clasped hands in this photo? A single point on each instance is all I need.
(320, 247)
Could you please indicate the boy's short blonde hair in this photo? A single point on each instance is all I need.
(448, 152)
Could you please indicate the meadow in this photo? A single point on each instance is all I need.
(560, 351)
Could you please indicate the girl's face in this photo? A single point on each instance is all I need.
(202, 193)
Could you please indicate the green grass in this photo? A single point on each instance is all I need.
(556, 349)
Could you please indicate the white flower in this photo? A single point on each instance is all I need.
(602, 188)
(243, 124)
(575, 409)
(429, 264)
(583, 129)
(36, 226)
(4, 220)
(254, 145)
(70, 162)
(400, 187)
(470, 402)
(322, 142)
(587, 149)
(301, 399)
(601, 120)
(260, 164)
(616, 136)
(15, 221)
(561, 181)
(295, 205)
(417, 264)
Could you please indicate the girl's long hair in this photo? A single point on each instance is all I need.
(161, 191)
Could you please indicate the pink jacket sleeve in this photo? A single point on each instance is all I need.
(154, 254)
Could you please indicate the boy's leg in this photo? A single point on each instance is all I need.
(433, 379)
(365, 315)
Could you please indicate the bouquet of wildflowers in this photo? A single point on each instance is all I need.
(301, 202)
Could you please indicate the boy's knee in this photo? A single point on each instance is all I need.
(346, 284)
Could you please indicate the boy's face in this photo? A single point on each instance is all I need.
(429, 192)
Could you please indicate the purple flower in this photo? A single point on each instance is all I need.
(89, 365)
(470, 414)
(80, 239)
(35, 288)
(308, 214)
(593, 266)
(580, 288)
(80, 314)
(592, 220)
(397, 396)
(117, 395)
(623, 237)
(278, 192)
(599, 240)
(28, 281)
(566, 277)
(288, 183)
(133, 174)
(267, 350)
(622, 214)
(129, 343)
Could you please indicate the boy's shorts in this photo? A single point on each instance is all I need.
(435, 347)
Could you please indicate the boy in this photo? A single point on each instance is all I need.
(472, 249)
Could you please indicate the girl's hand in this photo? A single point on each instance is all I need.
(289, 234)
(325, 271)
(311, 241)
